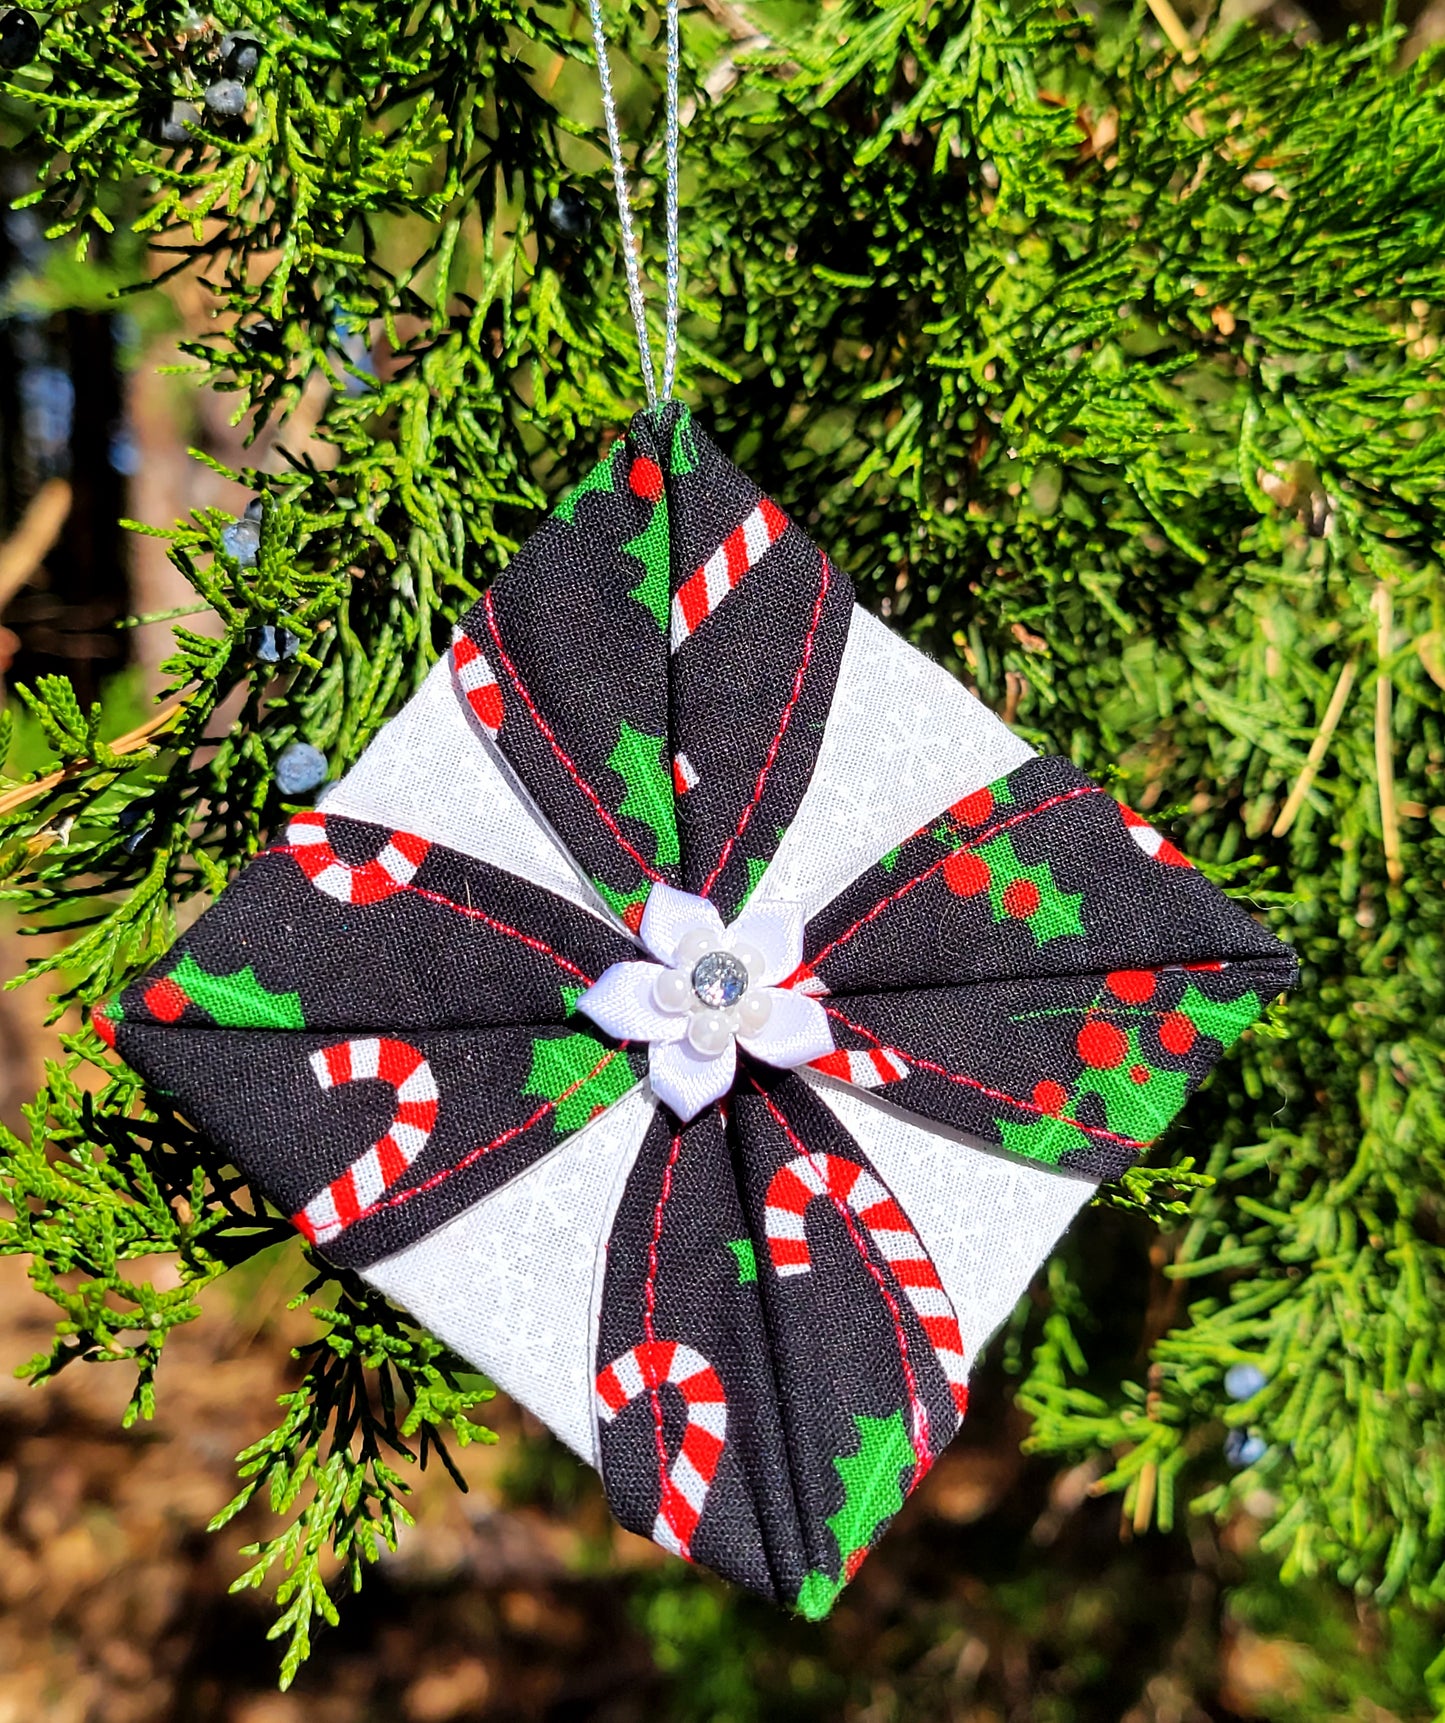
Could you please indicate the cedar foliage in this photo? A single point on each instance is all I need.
(1112, 377)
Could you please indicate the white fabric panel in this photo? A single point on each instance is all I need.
(514, 1283)
(904, 741)
(987, 1219)
(433, 772)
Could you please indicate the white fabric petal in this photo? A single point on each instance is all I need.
(538, 1248)
(904, 741)
(796, 1032)
(432, 772)
(777, 929)
(620, 1001)
(987, 1219)
(670, 914)
(686, 1080)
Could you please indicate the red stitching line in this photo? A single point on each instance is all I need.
(474, 1155)
(916, 1405)
(472, 914)
(983, 1088)
(968, 844)
(783, 723)
(649, 1308)
(563, 757)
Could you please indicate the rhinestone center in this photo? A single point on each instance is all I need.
(719, 979)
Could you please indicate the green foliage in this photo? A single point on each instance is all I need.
(1113, 381)
(332, 1444)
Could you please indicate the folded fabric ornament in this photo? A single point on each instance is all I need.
(703, 1014)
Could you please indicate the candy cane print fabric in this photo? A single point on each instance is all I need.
(702, 1013)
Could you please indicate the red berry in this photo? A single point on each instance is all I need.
(164, 1000)
(1176, 1033)
(973, 810)
(1102, 1045)
(104, 1027)
(965, 875)
(1139, 1074)
(1050, 1097)
(646, 479)
(1133, 986)
(632, 917)
(1020, 899)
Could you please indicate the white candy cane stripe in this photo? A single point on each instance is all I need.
(1151, 842)
(701, 593)
(795, 1185)
(639, 1371)
(372, 1173)
(868, 1070)
(477, 680)
(684, 774)
(389, 872)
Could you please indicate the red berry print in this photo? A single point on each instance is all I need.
(1102, 1045)
(165, 1001)
(1133, 986)
(973, 810)
(103, 1027)
(1020, 899)
(646, 479)
(1177, 1033)
(1050, 1097)
(1139, 1074)
(965, 875)
(632, 917)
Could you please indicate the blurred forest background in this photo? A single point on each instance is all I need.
(1011, 1590)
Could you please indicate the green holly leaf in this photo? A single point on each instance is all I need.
(638, 760)
(599, 479)
(682, 458)
(652, 549)
(747, 1259)
(872, 1495)
(580, 1074)
(1223, 1020)
(1047, 1140)
(1019, 892)
(620, 902)
(237, 1001)
(1139, 1101)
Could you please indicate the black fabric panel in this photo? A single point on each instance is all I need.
(256, 1095)
(811, 1363)
(940, 909)
(596, 706)
(752, 687)
(464, 946)
(1077, 1071)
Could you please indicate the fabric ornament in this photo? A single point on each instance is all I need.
(703, 1014)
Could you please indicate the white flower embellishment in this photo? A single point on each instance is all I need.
(710, 988)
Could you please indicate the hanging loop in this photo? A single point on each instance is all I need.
(630, 260)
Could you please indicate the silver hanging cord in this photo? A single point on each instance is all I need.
(669, 348)
(624, 205)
